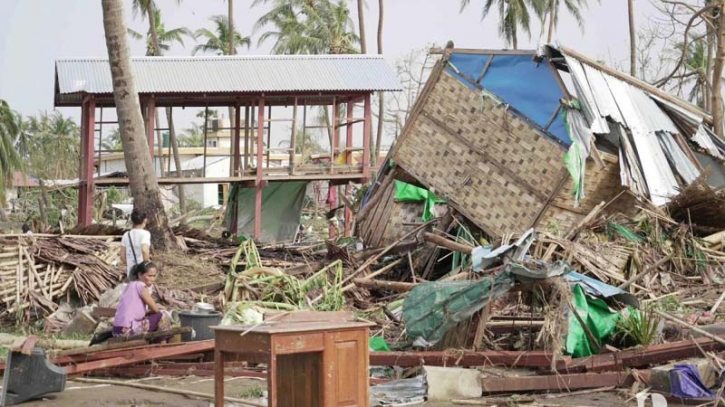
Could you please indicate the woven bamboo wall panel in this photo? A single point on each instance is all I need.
(492, 167)
(507, 140)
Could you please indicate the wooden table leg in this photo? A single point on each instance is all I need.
(272, 380)
(218, 378)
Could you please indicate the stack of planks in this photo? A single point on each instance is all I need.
(37, 271)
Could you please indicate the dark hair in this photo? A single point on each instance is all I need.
(26, 228)
(142, 268)
(138, 216)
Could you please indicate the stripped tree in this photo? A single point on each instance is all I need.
(142, 178)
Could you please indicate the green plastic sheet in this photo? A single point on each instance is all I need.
(575, 165)
(431, 309)
(378, 344)
(410, 193)
(595, 313)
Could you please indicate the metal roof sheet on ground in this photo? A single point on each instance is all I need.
(238, 74)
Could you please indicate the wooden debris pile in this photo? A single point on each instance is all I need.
(37, 271)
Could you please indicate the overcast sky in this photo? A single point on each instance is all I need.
(33, 33)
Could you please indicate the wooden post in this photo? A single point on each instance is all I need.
(85, 190)
(100, 139)
(151, 127)
(218, 378)
(366, 139)
(269, 133)
(206, 127)
(335, 144)
(235, 141)
(258, 184)
(246, 138)
(348, 147)
(293, 140)
(304, 131)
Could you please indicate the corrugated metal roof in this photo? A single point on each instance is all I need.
(273, 73)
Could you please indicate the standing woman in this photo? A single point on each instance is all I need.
(137, 312)
(136, 243)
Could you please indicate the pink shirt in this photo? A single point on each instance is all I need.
(131, 309)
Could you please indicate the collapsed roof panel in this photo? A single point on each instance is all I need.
(511, 77)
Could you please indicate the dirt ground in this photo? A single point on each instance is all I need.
(79, 394)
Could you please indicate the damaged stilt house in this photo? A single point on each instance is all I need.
(263, 92)
(520, 139)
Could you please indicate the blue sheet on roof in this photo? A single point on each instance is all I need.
(529, 87)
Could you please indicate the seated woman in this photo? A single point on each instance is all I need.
(137, 312)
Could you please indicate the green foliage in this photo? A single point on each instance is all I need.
(625, 232)
(308, 27)
(193, 136)
(9, 158)
(166, 38)
(217, 41)
(639, 327)
(54, 136)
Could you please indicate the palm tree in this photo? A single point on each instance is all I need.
(361, 24)
(159, 40)
(308, 27)
(514, 15)
(142, 178)
(9, 158)
(696, 70)
(112, 141)
(632, 39)
(165, 38)
(375, 148)
(193, 136)
(218, 41)
(51, 136)
(552, 10)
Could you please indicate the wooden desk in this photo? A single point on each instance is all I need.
(310, 364)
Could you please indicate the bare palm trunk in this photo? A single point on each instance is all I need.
(717, 108)
(142, 178)
(177, 161)
(381, 102)
(514, 39)
(632, 41)
(156, 51)
(361, 23)
(552, 18)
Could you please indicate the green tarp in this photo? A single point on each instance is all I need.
(595, 313)
(410, 193)
(281, 210)
(431, 309)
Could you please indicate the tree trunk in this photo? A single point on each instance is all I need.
(381, 102)
(632, 41)
(717, 108)
(361, 22)
(156, 51)
(514, 39)
(142, 178)
(232, 51)
(44, 204)
(552, 18)
(177, 159)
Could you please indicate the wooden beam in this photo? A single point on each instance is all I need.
(293, 140)
(348, 145)
(558, 382)
(85, 190)
(367, 126)
(259, 179)
(482, 51)
(246, 137)
(150, 127)
(206, 128)
(467, 359)
(235, 142)
(448, 244)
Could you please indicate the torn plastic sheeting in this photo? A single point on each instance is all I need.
(410, 193)
(576, 157)
(685, 382)
(399, 391)
(599, 289)
(484, 256)
(432, 308)
(596, 314)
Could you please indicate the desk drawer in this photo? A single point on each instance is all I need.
(299, 343)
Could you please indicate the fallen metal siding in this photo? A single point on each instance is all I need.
(234, 74)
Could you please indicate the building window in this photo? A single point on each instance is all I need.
(211, 143)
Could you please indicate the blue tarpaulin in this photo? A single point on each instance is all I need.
(685, 382)
(529, 87)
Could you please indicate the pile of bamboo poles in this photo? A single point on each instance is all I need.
(37, 271)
